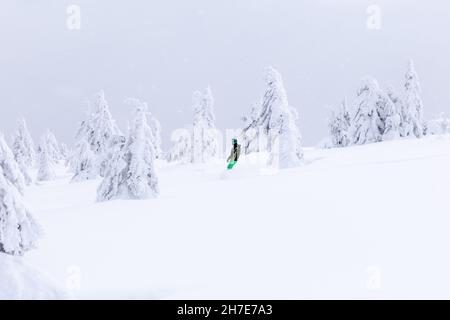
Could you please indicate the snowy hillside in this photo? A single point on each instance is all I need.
(369, 221)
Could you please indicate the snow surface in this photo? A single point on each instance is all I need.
(19, 280)
(367, 221)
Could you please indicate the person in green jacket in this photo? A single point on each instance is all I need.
(234, 155)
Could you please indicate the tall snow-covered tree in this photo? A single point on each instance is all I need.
(132, 176)
(46, 160)
(19, 231)
(414, 101)
(339, 126)
(10, 167)
(266, 122)
(204, 139)
(23, 146)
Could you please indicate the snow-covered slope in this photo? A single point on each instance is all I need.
(361, 222)
(19, 280)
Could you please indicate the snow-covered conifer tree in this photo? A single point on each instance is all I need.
(366, 123)
(267, 119)
(53, 148)
(339, 125)
(102, 128)
(204, 139)
(405, 127)
(10, 167)
(132, 174)
(376, 116)
(89, 158)
(84, 162)
(113, 184)
(23, 146)
(46, 160)
(155, 126)
(19, 231)
(414, 101)
(291, 152)
(181, 150)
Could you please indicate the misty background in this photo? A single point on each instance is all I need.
(162, 51)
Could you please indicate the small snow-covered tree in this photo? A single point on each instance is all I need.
(132, 176)
(376, 116)
(366, 123)
(291, 152)
(414, 101)
(405, 126)
(46, 160)
(339, 125)
(97, 131)
(181, 150)
(204, 135)
(250, 134)
(114, 182)
(155, 126)
(19, 231)
(389, 115)
(52, 144)
(10, 167)
(102, 128)
(23, 146)
(84, 164)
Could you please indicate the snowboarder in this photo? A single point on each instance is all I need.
(234, 155)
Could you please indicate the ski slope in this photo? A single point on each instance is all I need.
(370, 221)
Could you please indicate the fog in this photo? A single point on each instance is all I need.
(162, 51)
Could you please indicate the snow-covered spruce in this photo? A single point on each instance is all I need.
(131, 174)
(103, 128)
(89, 158)
(204, 134)
(46, 161)
(84, 162)
(376, 117)
(339, 126)
(438, 126)
(272, 118)
(9, 166)
(290, 146)
(53, 146)
(23, 146)
(400, 106)
(414, 102)
(19, 231)
(181, 150)
(155, 126)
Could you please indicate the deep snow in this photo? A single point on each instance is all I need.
(361, 222)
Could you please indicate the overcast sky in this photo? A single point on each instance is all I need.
(161, 51)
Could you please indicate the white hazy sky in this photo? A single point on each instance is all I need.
(161, 51)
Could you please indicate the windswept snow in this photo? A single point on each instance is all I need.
(366, 221)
